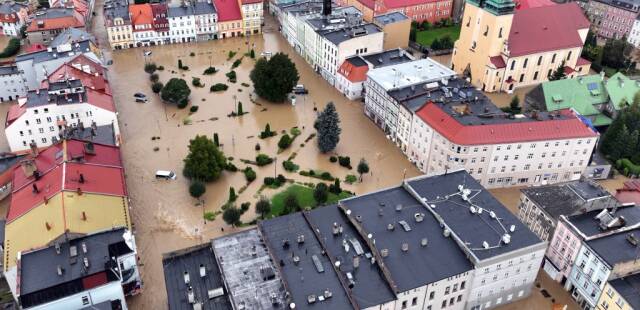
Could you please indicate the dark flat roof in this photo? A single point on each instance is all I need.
(441, 258)
(36, 98)
(629, 289)
(338, 36)
(356, 61)
(387, 58)
(100, 134)
(189, 260)
(44, 55)
(615, 248)
(390, 18)
(303, 279)
(566, 198)
(588, 225)
(443, 194)
(370, 288)
(38, 268)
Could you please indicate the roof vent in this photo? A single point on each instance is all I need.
(419, 217)
(186, 277)
(190, 295)
(356, 261)
(57, 245)
(311, 299)
(73, 251)
(446, 233)
(327, 294)
(405, 225)
(485, 244)
(473, 210)
(203, 271)
(384, 252)
(512, 228)
(424, 242)
(405, 247)
(84, 248)
(336, 230)
(506, 238)
(391, 227)
(285, 243)
(60, 270)
(300, 239)
(359, 218)
(492, 214)
(398, 207)
(86, 262)
(632, 239)
(296, 259)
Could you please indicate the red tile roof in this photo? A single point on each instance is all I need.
(568, 70)
(15, 111)
(228, 10)
(546, 28)
(100, 99)
(55, 23)
(353, 73)
(251, 1)
(74, 69)
(141, 14)
(629, 193)
(511, 132)
(581, 62)
(527, 4)
(102, 173)
(498, 61)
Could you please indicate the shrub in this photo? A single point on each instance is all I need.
(230, 167)
(320, 194)
(154, 77)
(252, 54)
(269, 181)
(193, 109)
(263, 160)
(192, 54)
(350, 179)
(179, 63)
(244, 207)
(161, 68)
(156, 87)
(236, 63)
(218, 87)
(150, 68)
(344, 161)
(210, 70)
(285, 142)
(290, 166)
(232, 194)
(185, 68)
(196, 82)
(210, 216)
(231, 76)
(249, 174)
(295, 131)
(629, 167)
(266, 133)
(230, 55)
(281, 179)
(333, 159)
(196, 189)
(326, 176)
(335, 187)
(257, 148)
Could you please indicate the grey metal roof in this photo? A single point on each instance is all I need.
(38, 268)
(42, 97)
(341, 35)
(71, 35)
(390, 18)
(301, 7)
(588, 225)
(629, 288)
(100, 134)
(314, 273)
(189, 261)
(116, 9)
(9, 7)
(178, 11)
(387, 58)
(53, 13)
(567, 198)
(46, 55)
(370, 288)
(64, 84)
(9, 70)
(420, 265)
(201, 8)
(444, 196)
(616, 248)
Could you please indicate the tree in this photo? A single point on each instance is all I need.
(616, 53)
(335, 187)
(591, 39)
(363, 167)
(328, 126)
(231, 215)
(252, 54)
(156, 87)
(216, 141)
(175, 91)
(249, 174)
(412, 34)
(197, 189)
(273, 79)
(240, 112)
(291, 204)
(263, 206)
(515, 103)
(320, 193)
(285, 141)
(558, 74)
(11, 49)
(150, 68)
(232, 194)
(205, 161)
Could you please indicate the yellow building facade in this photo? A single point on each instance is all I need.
(616, 294)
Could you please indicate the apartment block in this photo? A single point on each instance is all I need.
(612, 19)
(46, 25)
(417, 10)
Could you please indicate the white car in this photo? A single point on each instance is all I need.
(165, 174)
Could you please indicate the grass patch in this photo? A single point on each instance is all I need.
(304, 195)
(426, 37)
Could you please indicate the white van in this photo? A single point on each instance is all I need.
(164, 174)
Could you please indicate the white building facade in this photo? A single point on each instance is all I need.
(634, 34)
(12, 83)
(182, 24)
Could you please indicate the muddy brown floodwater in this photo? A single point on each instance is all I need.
(166, 218)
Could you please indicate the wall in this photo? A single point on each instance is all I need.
(107, 292)
(588, 277)
(563, 248)
(610, 299)
(252, 15)
(396, 35)
(11, 87)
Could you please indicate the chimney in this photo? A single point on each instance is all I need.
(326, 7)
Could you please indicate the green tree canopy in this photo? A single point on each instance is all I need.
(231, 215)
(273, 79)
(175, 91)
(205, 161)
(263, 206)
(328, 126)
(197, 189)
(363, 167)
(558, 74)
(320, 193)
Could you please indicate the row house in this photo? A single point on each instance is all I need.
(612, 19)
(117, 22)
(13, 16)
(252, 16)
(182, 24)
(46, 25)
(83, 8)
(206, 18)
(144, 33)
(621, 294)
(230, 22)
(431, 11)
(540, 207)
(470, 257)
(502, 47)
(576, 257)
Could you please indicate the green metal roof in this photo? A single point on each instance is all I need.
(621, 89)
(582, 94)
(496, 7)
(601, 120)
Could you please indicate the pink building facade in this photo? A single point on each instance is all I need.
(562, 251)
(612, 19)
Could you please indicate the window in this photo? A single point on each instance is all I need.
(404, 304)
(432, 295)
(535, 75)
(462, 285)
(553, 58)
(539, 60)
(446, 290)
(444, 304)
(85, 300)
(524, 65)
(513, 64)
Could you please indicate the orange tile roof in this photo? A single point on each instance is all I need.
(55, 23)
(93, 79)
(353, 73)
(141, 14)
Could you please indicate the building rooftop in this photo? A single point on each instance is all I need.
(482, 223)
(97, 134)
(568, 198)
(205, 279)
(340, 17)
(546, 28)
(621, 90)
(116, 9)
(376, 213)
(309, 275)
(629, 5)
(228, 10)
(355, 68)
(249, 272)
(390, 18)
(406, 74)
(349, 248)
(617, 248)
(9, 70)
(388, 58)
(70, 266)
(62, 51)
(201, 8)
(182, 10)
(344, 34)
(305, 7)
(70, 36)
(10, 7)
(55, 18)
(583, 94)
(629, 288)
(588, 225)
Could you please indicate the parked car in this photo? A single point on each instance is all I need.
(140, 97)
(147, 53)
(165, 174)
(300, 90)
